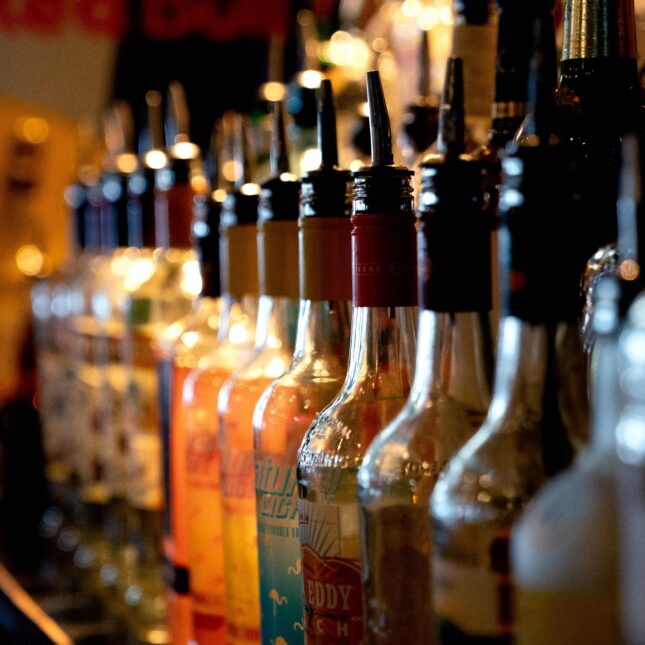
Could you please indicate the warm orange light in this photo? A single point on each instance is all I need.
(127, 163)
(30, 260)
(272, 91)
(629, 270)
(33, 129)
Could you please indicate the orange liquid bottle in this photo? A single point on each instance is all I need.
(314, 377)
(197, 409)
(277, 316)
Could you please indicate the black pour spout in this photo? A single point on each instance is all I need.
(278, 155)
(327, 140)
(451, 141)
(380, 132)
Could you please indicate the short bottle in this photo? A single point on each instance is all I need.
(275, 335)
(450, 392)
(539, 395)
(317, 371)
(196, 409)
(380, 370)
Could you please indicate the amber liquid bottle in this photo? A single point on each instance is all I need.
(450, 392)
(195, 409)
(381, 364)
(275, 335)
(318, 369)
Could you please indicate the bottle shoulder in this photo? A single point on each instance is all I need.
(491, 478)
(567, 535)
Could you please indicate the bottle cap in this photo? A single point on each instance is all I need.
(326, 192)
(454, 221)
(280, 195)
(383, 239)
(241, 203)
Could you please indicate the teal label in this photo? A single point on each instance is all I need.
(279, 554)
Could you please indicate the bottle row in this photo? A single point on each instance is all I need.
(307, 413)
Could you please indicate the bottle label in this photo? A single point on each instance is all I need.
(332, 584)
(475, 601)
(279, 552)
(384, 261)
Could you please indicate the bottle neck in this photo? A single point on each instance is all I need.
(599, 29)
(531, 389)
(238, 318)
(276, 323)
(382, 350)
(323, 329)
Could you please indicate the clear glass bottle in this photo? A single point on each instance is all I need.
(317, 371)
(166, 285)
(450, 392)
(275, 335)
(381, 364)
(539, 395)
(198, 410)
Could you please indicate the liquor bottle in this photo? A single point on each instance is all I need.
(598, 99)
(381, 363)
(473, 40)
(277, 316)
(172, 282)
(317, 371)
(179, 349)
(540, 374)
(420, 119)
(198, 409)
(450, 392)
(565, 556)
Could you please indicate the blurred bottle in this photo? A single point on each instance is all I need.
(277, 316)
(473, 40)
(165, 286)
(317, 371)
(381, 361)
(196, 410)
(539, 395)
(450, 392)
(179, 349)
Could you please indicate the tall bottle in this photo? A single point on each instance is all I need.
(179, 350)
(473, 40)
(164, 289)
(566, 563)
(196, 410)
(450, 392)
(317, 371)
(536, 402)
(381, 364)
(277, 316)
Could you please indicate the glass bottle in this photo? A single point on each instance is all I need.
(277, 316)
(381, 362)
(198, 410)
(539, 396)
(317, 371)
(473, 40)
(450, 392)
(167, 284)
(598, 99)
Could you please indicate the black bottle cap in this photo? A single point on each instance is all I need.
(381, 187)
(421, 118)
(207, 221)
(182, 152)
(326, 192)
(472, 12)
(280, 195)
(241, 204)
(454, 221)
